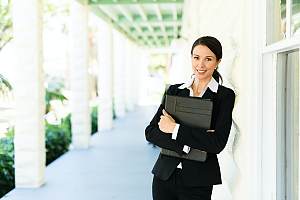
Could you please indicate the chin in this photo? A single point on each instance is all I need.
(202, 77)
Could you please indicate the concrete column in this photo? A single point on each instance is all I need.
(134, 75)
(105, 77)
(119, 74)
(29, 94)
(81, 122)
(136, 65)
(129, 73)
(142, 78)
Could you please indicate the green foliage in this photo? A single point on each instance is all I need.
(94, 116)
(58, 139)
(5, 23)
(5, 86)
(114, 109)
(7, 172)
(53, 95)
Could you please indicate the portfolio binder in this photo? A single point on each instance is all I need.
(192, 111)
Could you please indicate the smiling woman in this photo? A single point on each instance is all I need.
(179, 178)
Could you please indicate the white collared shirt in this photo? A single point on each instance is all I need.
(213, 85)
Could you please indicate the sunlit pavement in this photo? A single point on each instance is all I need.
(116, 166)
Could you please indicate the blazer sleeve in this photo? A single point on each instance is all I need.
(212, 142)
(156, 136)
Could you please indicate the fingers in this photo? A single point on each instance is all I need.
(162, 120)
(162, 117)
(165, 113)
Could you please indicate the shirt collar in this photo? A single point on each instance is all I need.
(213, 85)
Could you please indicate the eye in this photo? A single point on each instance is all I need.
(208, 59)
(196, 58)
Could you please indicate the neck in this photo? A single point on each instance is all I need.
(198, 85)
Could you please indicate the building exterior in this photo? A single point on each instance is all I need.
(261, 63)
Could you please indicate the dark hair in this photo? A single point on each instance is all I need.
(215, 46)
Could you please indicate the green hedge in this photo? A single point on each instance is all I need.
(7, 172)
(58, 139)
(94, 116)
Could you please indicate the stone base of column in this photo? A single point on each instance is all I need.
(31, 184)
(81, 142)
(29, 173)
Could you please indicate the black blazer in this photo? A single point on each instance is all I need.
(194, 173)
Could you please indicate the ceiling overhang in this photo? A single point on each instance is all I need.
(151, 23)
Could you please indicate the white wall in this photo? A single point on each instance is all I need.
(233, 23)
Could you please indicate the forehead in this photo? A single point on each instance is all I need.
(202, 50)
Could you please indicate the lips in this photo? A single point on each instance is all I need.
(201, 71)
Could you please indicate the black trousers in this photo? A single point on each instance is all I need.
(173, 189)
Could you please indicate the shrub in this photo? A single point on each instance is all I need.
(94, 116)
(58, 139)
(7, 171)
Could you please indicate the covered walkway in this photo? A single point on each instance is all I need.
(107, 47)
(116, 166)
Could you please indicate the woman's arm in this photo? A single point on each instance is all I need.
(212, 142)
(156, 136)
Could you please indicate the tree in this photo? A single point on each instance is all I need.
(5, 23)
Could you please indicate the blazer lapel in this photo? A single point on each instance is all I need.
(183, 92)
(208, 94)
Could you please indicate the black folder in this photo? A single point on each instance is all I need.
(192, 111)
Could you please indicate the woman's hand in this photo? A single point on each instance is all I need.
(166, 123)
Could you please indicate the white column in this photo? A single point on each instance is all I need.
(129, 73)
(119, 74)
(134, 75)
(81, 122)
(29, 94)
(142, 79)
(137, 65)
(105, 76)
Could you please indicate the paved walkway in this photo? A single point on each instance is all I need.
(116, 166)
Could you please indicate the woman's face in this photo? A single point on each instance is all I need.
(204, 62)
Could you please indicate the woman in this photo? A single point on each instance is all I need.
(182, 179)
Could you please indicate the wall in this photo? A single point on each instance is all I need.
(234, 23)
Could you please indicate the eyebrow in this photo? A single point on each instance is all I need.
(205, 56)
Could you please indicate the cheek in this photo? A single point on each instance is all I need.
(194, 63)
(212, 66)
(211, 71)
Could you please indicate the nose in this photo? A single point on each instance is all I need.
(200, 64)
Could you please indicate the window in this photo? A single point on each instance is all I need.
(296, 17)
(276, 20)
(287, 170)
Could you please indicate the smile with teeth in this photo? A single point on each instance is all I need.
(201, 71)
